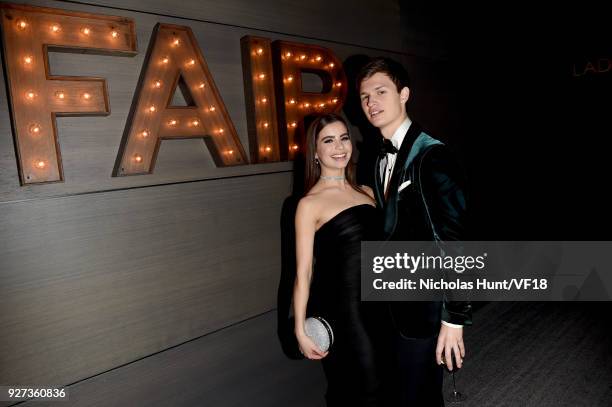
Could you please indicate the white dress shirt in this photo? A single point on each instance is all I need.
(396, 140)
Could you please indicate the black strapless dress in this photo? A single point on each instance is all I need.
(335, 295)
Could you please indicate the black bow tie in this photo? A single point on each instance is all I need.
(387, 147)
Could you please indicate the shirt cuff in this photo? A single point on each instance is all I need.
(451, 325)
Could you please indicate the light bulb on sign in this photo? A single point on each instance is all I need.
(292, 101)
(230, 152)
(268, 149)
(60, 95)
(307, 104)
(331, 65)
(172, 122)
(138, 158)
(220, 131)
(288, 54)
(261, 76)
(145, 133)
(334, 100)
(28, 60)
(201, 85)
(152, 109)
(22, 24)
(114, 34)
(293, 124)
(176, 42)
(290, 78)
(294, 147)
(35, 129)
(338, 84)
(191, 62)
(41, 164)
(212, 108)
(157, 84)
(318, 58)
(55, 28)
(30, 95)
(86, 30)
(303, 57)
(86, 96)
(259, 51)
(195, 122)
(165, 60)
(264, 100)
(266, 125)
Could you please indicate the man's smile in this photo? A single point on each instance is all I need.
(375, 112)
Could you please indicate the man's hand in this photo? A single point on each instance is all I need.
(450, 340)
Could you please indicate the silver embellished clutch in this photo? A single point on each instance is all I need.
(320, 331)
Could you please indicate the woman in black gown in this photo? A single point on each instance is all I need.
(332, 219)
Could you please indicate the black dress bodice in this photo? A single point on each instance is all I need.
(336, 278)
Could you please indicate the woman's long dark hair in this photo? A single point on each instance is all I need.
(312, 169)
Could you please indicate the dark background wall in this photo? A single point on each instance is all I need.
(535, 136)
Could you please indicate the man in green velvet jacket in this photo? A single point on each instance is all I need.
(419, 188)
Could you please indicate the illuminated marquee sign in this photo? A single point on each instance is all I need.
(37, 97)
(174, 59)
(275, 101)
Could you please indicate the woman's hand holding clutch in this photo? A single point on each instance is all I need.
(308, 347)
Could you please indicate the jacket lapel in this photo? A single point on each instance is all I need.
(391, 205)
(378, 187)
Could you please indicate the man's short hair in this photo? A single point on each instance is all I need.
(394, 70)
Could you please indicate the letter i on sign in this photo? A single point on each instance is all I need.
(260, 99)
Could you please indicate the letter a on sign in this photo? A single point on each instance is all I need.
(174, 60)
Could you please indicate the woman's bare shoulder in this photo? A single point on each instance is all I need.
(308, 207)
(315, 203)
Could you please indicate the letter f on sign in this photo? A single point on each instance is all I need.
(36, 96)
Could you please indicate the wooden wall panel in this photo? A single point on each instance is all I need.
(93, 281)
(349, 21)
(239, 366)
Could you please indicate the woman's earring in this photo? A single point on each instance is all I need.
(316, 161)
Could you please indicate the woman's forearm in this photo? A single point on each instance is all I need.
(301, 290)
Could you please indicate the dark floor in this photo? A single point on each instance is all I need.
(518, 354)
(538, 354)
